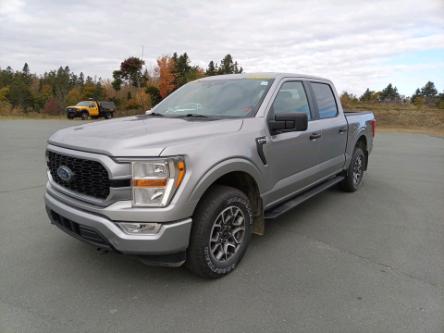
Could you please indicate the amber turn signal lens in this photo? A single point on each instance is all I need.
(181, 173)
(149, 182)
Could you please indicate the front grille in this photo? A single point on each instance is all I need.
(86, 233)
(88, 177)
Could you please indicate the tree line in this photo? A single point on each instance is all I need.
(133, 86)
(425, 96)
(171, 73)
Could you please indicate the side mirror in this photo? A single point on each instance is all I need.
(288, 122)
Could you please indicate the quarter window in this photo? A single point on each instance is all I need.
(291, 98)
(325, 100)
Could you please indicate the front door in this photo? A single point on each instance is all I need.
(292, 156)
(93, 109)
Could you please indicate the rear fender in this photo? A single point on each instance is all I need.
(353, 140)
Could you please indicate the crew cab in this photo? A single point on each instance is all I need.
(91, 109)
(192, 179)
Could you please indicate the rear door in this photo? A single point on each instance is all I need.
(292, 156)
(334, 129)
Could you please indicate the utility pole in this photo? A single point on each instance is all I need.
(143, 49)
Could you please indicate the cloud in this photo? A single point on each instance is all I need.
(351, 42)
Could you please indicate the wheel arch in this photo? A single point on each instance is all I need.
(358, 136)
(240, 174)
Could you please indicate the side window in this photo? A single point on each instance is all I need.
(325, 100)
(291, 98)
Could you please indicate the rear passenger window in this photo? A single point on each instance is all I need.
(325, 100)
(291, 98)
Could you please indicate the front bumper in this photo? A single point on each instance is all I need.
(173, 237)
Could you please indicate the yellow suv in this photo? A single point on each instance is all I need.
(91, 108)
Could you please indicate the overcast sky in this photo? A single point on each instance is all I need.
(357, 44)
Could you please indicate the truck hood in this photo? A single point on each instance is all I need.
(139, 135)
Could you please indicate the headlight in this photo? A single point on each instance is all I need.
(155, 182)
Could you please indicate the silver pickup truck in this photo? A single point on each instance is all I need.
(191, 180)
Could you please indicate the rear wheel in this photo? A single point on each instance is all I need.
(85, 115)
(221, 232)
(355, 171)
(108, 115)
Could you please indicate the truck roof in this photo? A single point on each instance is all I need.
(264, 75)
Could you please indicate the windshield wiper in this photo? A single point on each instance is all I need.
(155, 114)
(193, 115)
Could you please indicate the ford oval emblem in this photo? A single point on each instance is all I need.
(65, 173)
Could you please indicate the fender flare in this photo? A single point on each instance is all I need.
(361, 131)
(216, 171)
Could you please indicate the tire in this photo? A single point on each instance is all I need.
(70, 116)
(85, 115)
(355, 171)
(218, 242)
(108, 115)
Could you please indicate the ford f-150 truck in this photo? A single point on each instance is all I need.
(192, 179)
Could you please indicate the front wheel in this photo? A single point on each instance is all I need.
(85, 115)
(355, 171)
(221, 232)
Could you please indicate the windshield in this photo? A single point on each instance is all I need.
(84, 103)
(230, 98)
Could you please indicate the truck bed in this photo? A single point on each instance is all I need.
(356, 113)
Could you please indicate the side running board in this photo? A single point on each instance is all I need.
(291, 203)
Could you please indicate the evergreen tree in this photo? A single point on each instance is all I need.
(212, 69)
(367, 96)
(19, 94)
(81, 79)
(27, 78)
(429, 90)
(154, 93)
(427, 94)
(181, 69)
(6, 77)
(145, 78)
(237, 68)
(226, 65)
(25, 69)
(390, 94)
(415, 96)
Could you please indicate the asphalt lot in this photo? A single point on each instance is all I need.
(372, 261)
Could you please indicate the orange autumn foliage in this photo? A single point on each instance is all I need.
(166, 76)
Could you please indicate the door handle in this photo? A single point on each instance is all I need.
(342, 130)
(315, 136)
